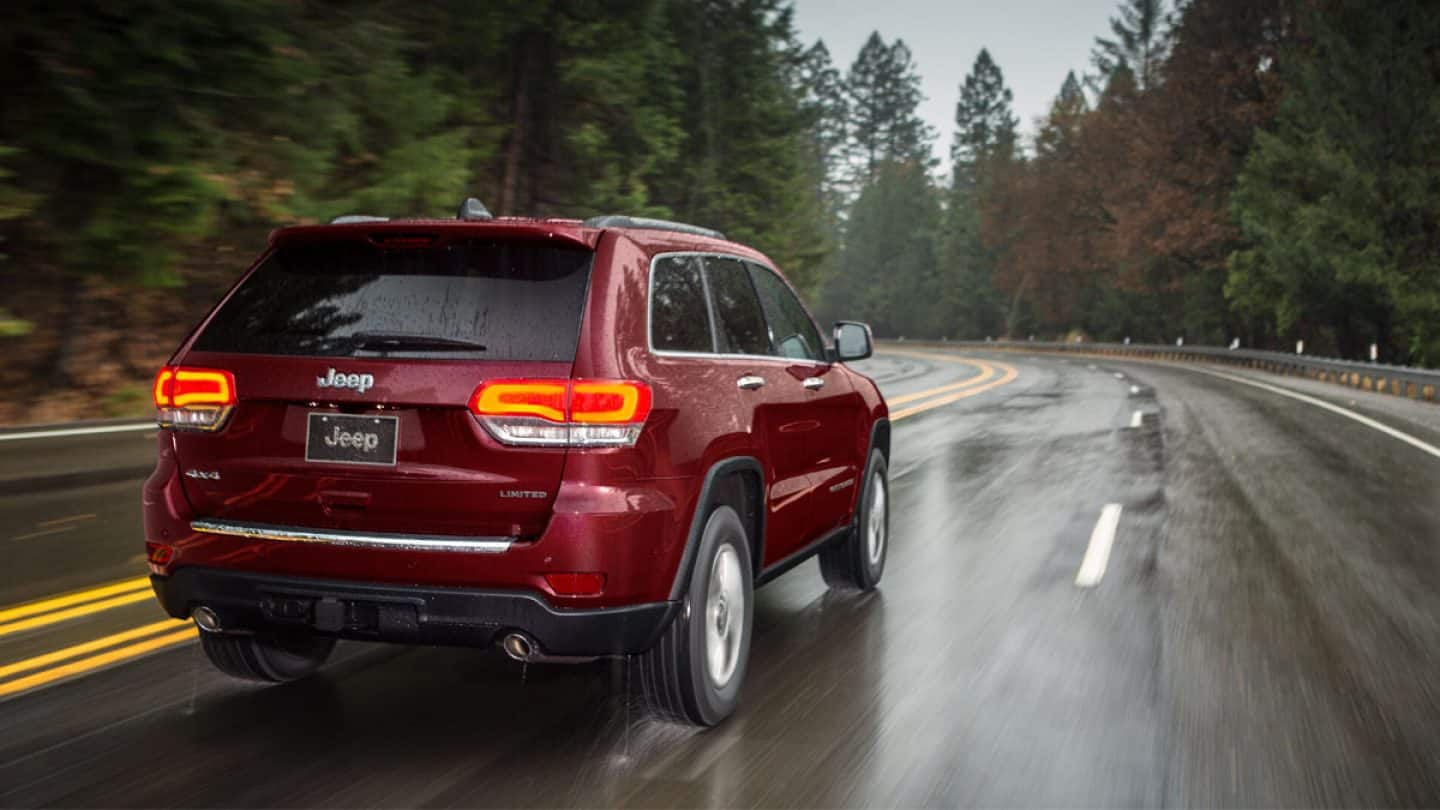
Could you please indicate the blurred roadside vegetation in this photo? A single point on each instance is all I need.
(1261, 169)
(146, 147)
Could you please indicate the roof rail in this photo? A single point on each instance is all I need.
(619, 221)
(352, 219)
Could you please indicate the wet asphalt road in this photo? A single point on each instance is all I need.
(1267, 632)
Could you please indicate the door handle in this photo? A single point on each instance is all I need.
(750, 382)
(814, 383)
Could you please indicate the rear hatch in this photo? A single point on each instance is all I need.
(354, 362)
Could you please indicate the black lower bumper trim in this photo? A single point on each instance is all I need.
(408, 614)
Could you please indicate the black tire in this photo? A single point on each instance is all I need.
(268, 658)
(852, 564)
(675, 675)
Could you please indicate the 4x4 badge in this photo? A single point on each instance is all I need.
(333, 379)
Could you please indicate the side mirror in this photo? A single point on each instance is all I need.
(852, 341)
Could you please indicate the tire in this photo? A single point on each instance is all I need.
(267, 658)
(858, 561)
(694, 672)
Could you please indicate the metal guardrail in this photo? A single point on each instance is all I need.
(1401, 381)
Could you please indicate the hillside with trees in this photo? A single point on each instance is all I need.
(1260, 169)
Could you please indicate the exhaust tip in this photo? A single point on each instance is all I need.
(518, 646)
(206, 619)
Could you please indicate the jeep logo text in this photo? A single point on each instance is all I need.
(358, 439)
(359, 382)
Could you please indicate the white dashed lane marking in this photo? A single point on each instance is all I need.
(1097, 554)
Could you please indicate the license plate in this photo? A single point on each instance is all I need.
(343, 439)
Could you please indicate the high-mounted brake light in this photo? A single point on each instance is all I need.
(563, 413)
(193, 398)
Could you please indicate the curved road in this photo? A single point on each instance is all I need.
(1109, 583)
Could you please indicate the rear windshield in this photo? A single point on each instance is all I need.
(490, 300)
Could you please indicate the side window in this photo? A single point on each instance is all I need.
(791, 329)
(741, 325)
(679, 318)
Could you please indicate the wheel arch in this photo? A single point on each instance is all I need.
(879, 439)
(738, 482)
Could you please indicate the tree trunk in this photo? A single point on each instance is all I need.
(1012, 318)
(520, 106)
(67, 343)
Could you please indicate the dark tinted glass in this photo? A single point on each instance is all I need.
(491, 300)
(742, 325)
(679, 319)
(791, 329)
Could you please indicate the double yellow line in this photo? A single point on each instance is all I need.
(77, 659)
(992, 375)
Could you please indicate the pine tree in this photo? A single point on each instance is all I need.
(1140, 44)
(886, 274)
(983, 149)
(823, 97)
(1342, 198)
(984, 123)
(1057, 139)
(884, 94)
(747, 164)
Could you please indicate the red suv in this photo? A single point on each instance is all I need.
(573, 439)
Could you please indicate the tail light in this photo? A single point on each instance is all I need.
(563, 413)
(193, 398)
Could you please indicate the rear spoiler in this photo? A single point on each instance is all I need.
(417, 232)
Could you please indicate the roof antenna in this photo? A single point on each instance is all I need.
(472, 210)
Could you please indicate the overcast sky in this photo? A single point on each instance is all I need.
(1033, 41)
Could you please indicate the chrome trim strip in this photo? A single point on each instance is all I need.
(412, 542)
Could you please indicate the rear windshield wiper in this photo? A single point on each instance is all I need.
(401, 342)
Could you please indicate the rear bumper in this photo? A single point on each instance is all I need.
(408, 614)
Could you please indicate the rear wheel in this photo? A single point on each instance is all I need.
(858, 562)
(694, 673)
(269, 658)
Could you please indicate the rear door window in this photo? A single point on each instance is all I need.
(472, 299)
(791, 331)
(679, 315)
(740, 325)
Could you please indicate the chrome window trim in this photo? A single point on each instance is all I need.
(410, 542)
(650, 314)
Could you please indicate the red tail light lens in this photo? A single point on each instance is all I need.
(542, 398)
(193, 398)
(563, 413)
(605, 402)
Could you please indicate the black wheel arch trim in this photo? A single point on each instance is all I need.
(883, 423)
(752, 465)
(717, 471)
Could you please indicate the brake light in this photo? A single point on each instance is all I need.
(562, 413)
(193, 398)
(599, 401)
(542, 398)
